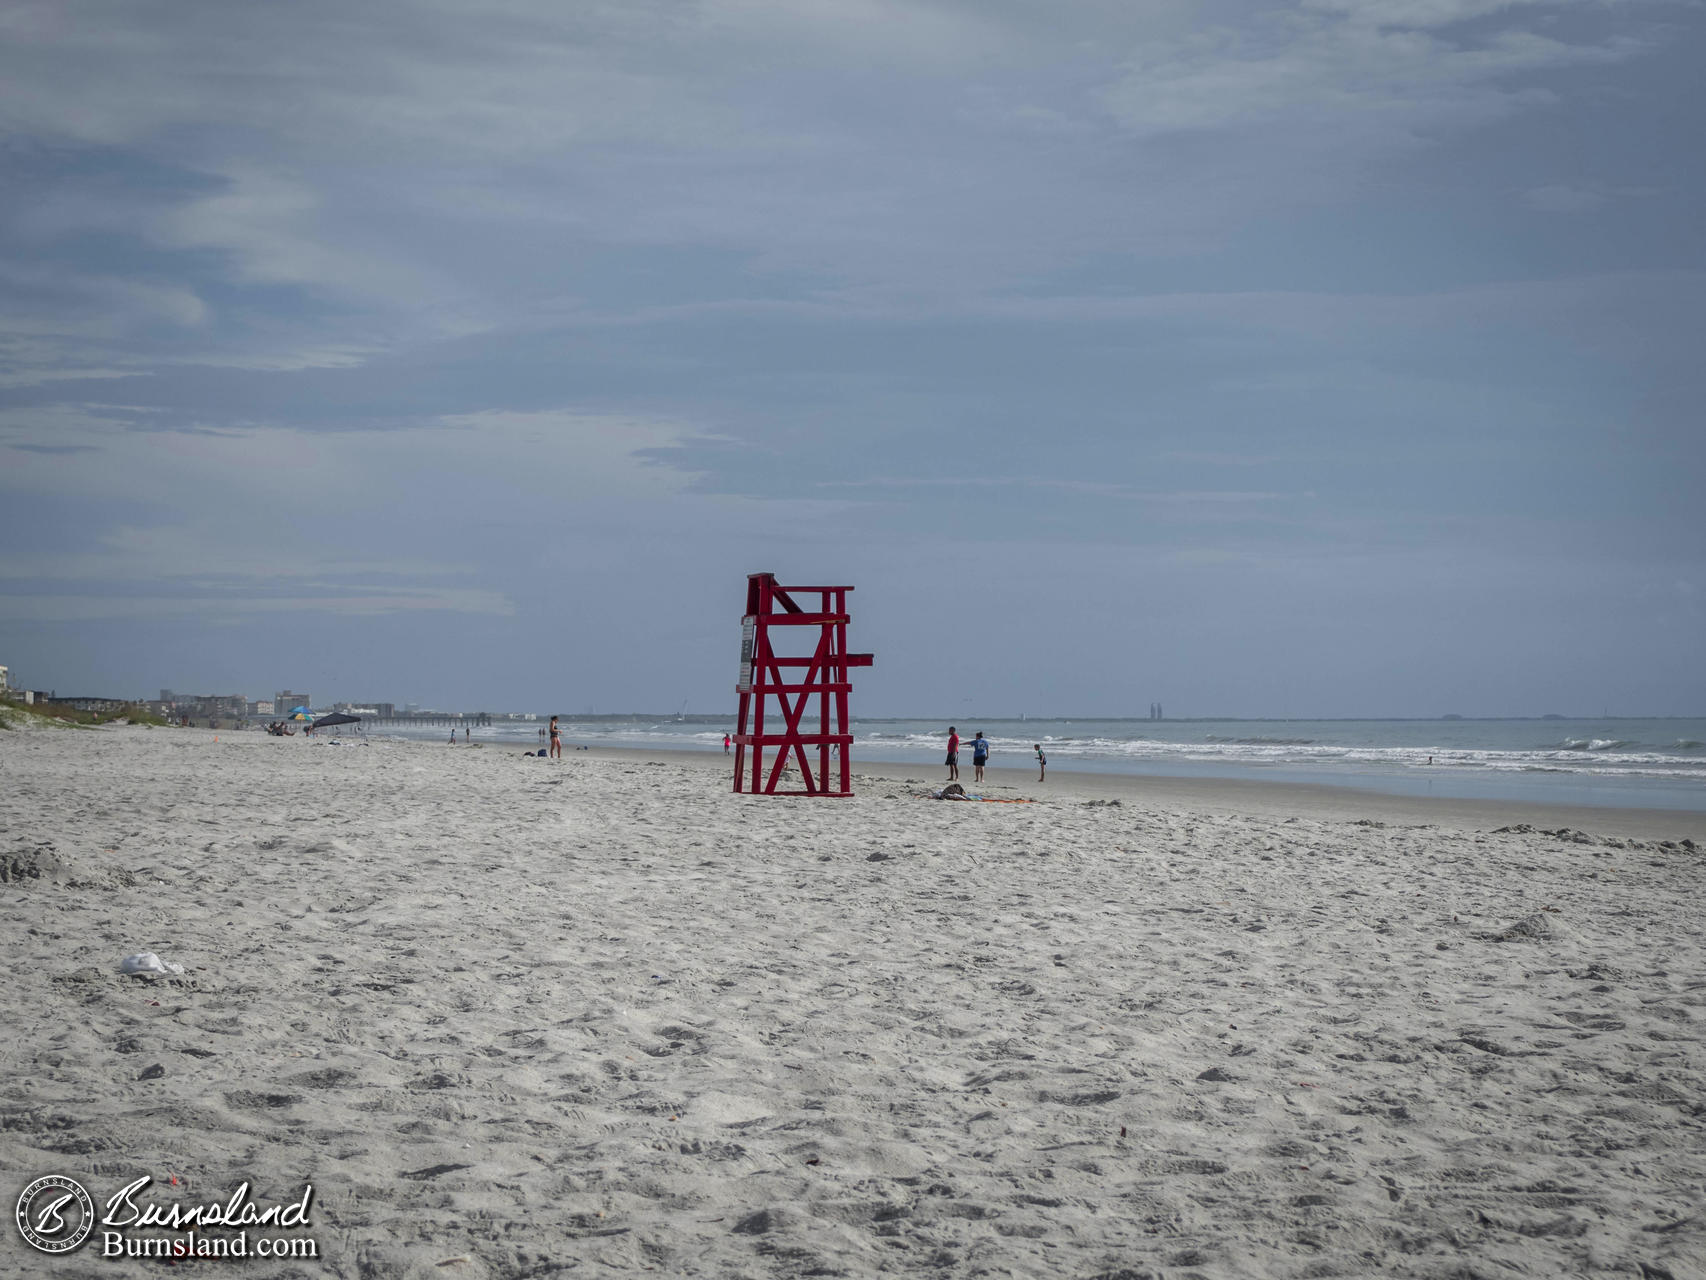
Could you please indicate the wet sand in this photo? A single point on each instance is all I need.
(1255, 797)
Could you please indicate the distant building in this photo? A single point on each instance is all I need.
(220, 706)
(260, 708)
(101, 705)
(215, 708)
(367, 710)
(285, 702)
(5, 680)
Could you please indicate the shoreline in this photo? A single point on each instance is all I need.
(1248, 797)
(1220, 796)
(1535, 776)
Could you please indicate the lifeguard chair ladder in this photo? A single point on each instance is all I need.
(793, 679)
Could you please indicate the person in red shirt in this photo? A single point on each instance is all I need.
(953, 754)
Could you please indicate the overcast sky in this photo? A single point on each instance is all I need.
(1338, 358)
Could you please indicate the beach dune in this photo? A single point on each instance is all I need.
(514, 1017)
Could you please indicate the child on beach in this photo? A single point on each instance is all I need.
(979, 755)
(1042, 761)
(953, 754)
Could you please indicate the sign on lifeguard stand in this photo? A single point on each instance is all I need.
(792, 652)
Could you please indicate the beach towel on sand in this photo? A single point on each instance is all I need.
(954, 791)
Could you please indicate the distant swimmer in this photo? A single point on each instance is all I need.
(1042, 761)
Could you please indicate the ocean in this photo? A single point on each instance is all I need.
(1643, 763)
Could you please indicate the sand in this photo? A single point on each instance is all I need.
(514, 1017)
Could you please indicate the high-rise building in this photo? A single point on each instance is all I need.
(219, 706)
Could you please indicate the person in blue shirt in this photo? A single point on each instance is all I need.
(979, 756)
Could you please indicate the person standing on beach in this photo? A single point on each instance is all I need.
(556, 740)
(1042, 761)
(979, 755)
(953, 754)
(726, 741)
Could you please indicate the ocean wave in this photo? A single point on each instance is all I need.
(1585, 756)
(1146, 745)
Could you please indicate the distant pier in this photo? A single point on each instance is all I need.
(472, 719)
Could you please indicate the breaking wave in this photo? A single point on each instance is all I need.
(1432, 749)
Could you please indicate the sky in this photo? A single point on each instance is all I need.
(1327, 359)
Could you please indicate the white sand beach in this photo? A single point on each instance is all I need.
(513, 1017)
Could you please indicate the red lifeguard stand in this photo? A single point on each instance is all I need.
(795, 675)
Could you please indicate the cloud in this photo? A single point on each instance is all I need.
(329, 184)
(79, 303)
(63, 323)
(32, 375)
(157, 607)
(1213, 459)
(1417, 14)
(248, 513)
(1370, 72)
(1562, 198)
(1104, 489)
(261, 219)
